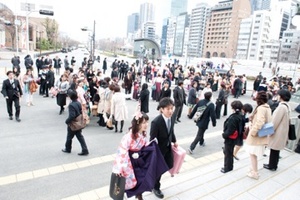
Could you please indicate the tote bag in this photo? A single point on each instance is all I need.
(117, 187)
(78, 123)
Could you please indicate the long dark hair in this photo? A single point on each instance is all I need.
(136, 124)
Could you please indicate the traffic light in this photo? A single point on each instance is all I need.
(46, 12)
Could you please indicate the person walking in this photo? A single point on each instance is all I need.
(118, 108)
(15, 61)
(232, 130)
(74, 111)
(192, 97)
(12, 92)
(66, 63)
(128, 85)
(57, 65)
(27, 79)
(202, 123)
(280, 120)
(162, 128)
(179, 100)
(144, 98)
(28, 62)
(255, 145)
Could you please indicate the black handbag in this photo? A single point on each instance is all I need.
(292, 132)
(117, 187)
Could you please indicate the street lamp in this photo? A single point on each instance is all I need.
(93, 39)
(29, 11)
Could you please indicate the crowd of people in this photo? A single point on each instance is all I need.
(96, 92)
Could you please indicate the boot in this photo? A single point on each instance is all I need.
(122, 124)
(116, 127)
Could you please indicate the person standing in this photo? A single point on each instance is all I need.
(74, 111)
(278, 140)
(39, 64)
(179, 99)
(128, 84)
(232, 130)
(238, 86)
(202, 123)
(27, 79)
(104, 66)
(220, 101)
(57, 65)
(118, 108)
(255, 145)
(162, 128)
(62, 87)
(144, 98)
(28, 62)
(165, 91)
(12, 92)
(15, 61)
(66, 63)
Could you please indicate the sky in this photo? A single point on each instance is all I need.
(110, 15)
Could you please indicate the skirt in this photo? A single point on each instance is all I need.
(256, 150)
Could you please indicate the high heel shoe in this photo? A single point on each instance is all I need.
(253, 174)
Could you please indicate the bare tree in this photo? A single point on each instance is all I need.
(51, 27)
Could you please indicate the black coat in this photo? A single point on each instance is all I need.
(179, 96)
(165, 93)
(159, 130)
(208, 114)
(192, 98)
(104, 65)
(144, 98)
(9, 91)
(234, 122)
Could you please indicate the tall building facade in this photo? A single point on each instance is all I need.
(182, 22)
(260, 34)
(171, 28)
(178, 7)
(260, 5)
(132, 23)
(147, 13)
(198, 21)
(222, 28)
(149, 30)
(244, 38)
(290, 46)
(163, 41)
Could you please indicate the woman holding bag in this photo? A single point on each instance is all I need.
(255, 145)
(278, 140)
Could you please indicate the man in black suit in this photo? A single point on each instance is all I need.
(12, 92)
(162, 128)
(74, 111)
(179, 99)
(209, 113)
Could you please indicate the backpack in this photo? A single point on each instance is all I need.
(200, 111)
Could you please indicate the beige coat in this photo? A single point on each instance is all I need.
(281, 118)
(261, 115)
(118, 106)
(107, 103)
(101, 104)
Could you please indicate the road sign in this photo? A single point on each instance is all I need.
(27, 7)
(46, 12)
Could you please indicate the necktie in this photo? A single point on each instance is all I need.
(12, 83)
(169, 125)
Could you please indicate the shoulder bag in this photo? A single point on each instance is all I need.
(78, 123)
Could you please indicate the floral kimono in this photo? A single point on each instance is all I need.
(122, 164)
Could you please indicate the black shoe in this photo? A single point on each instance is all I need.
(116, 130)
(266, 166)
(65, 151)
(83, 153)
(10, 117)
(60, 112)
(158, 193)
(225, 171)
(178, 120)
(18, 119)
(121, 131)
(297, 150)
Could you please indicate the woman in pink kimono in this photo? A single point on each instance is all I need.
(134, 140)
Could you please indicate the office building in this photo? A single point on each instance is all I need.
(163, 41)
(198, 21)
(178, 7)
(132, 23)
(222, 28)
(290, 46)
(170, 35)
(149, 30)
(147, 13)
(182, 22)
(244, 38)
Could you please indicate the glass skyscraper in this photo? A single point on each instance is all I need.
(178, 6)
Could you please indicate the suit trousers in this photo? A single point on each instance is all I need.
(218, 109)
(274, 158)
(225, 110)
(177, 112)
(228, 155)
(9, 103)
(199, 138)
(80, 138)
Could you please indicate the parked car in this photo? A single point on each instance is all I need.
(64, 50)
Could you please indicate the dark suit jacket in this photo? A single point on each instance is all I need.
(208, 114)
(159, 130)
(144, 97)
(74, 111)
(9, 91)
(179, 96)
